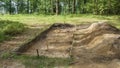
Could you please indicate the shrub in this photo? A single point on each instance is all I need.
(10, 28)
(3, 23)
(13, 28)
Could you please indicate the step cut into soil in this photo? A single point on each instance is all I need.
(88, 41)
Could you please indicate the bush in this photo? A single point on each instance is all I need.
(10, 28)
(3, 23)
(14, 28)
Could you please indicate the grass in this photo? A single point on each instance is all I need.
(38, 62)
(50, 19)
(43, 62)
(10, 28)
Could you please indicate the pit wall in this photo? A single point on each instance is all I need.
(40, 36)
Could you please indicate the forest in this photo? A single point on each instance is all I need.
(52, 7)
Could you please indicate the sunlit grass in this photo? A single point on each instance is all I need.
(50, 19)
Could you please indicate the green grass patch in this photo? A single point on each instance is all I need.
(39, 62)
(72, 18)
(2, 36)
(10, 28)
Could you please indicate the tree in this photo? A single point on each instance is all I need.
(69, 7)
(103, 7)
(57, 7)
(74, 7)
(28, 6)
(10, 7)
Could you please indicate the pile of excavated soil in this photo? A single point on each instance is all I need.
(85, 43)
(54, 42)
(97, 46)
(99, 39)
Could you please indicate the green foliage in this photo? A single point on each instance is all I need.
(9, 28)
(2, 36)
(14, 28)
(103, 7)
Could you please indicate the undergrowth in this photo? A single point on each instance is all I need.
(10, 28)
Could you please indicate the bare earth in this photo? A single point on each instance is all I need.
(16, 42)
(94, 45)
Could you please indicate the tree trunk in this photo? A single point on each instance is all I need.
(35, 5)
(45, 7)
(10, 8)
(74, 7)
(78, 6)
(28, 6)
(84, 2)
(109, 7)
(95, 7)
(57, 7)
(51, 10)
(69, 6)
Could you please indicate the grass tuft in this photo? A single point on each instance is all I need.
(10, 28)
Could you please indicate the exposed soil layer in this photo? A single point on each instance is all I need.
(53, 42)
(16, 41)
(87, 43)
(63, 40)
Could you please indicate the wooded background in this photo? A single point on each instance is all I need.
(101, 7)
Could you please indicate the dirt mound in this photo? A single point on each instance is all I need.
(99, 41)
(53, 42)
(88, 41)
(60, 25)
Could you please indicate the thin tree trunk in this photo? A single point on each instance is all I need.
(10, 8)
(69, 6)
(51, 9)
(109, 8)
(28, 6)
(95, 7)
(74, 7)
(84, 2)
(78, 6)
(45, 7)
(57, 7)
(35, 5)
